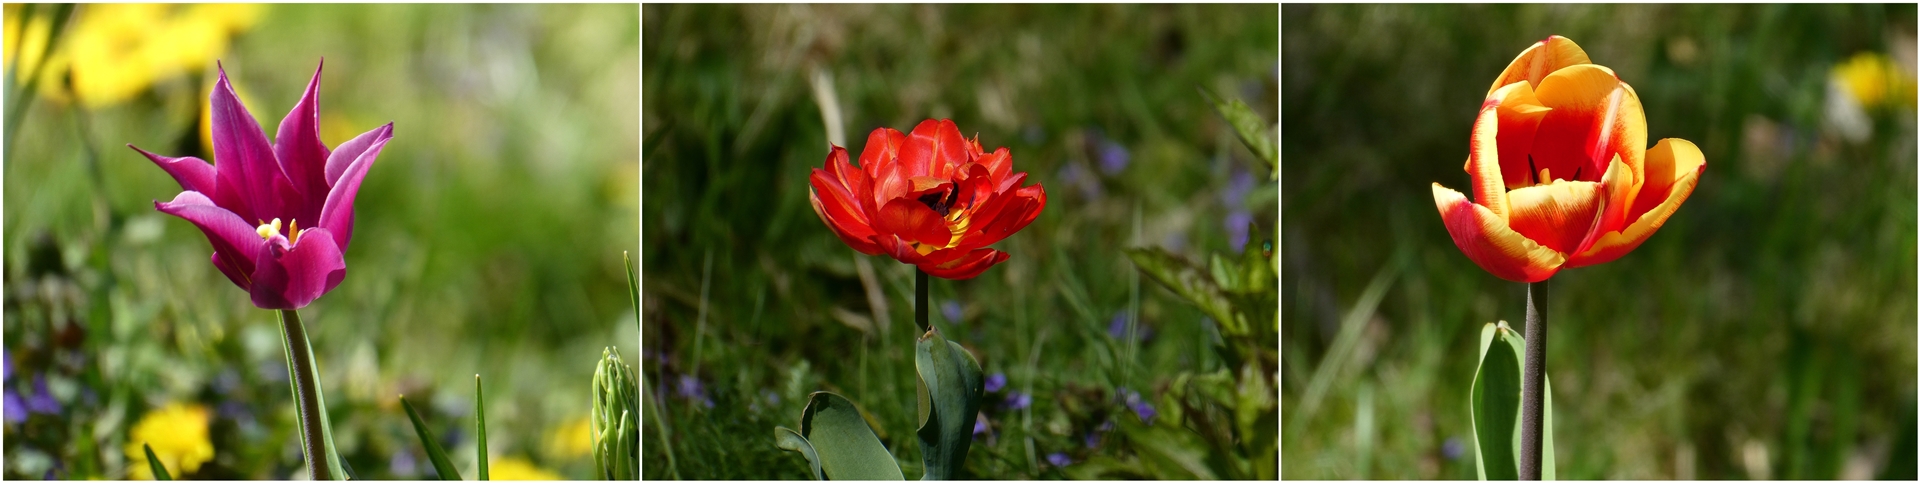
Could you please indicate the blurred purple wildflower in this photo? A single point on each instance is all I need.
(15, 407)
(979, 424)
(1238, 187)
(1113, 157)
(1236, 223)
(403, 464)
(951, 310)
(1141, 408)
(1076, 175)
(1059, 460)
(691, 388)
(7, 375)
(41, 401)
(1118, 328)
(1453, 449)
(996, 381)
(1018, 400)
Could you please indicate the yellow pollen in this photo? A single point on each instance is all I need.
(266, 230)
(1544, 177)
(293, 230)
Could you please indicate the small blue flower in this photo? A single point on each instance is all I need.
(15, 407)
(951, 310)
(1238, 187)
(1092, 439)
(1118, 328)
(42, 402)
(1141, 408)
(995, 382)
(1059, 460)
(1113, 157)
(1018, 400)
(403, 464)
(691, 388)
(1453, 449)
(1236, 224)
(6, 374)
(979, 424)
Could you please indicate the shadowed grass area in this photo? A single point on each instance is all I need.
(751, 303)
(1766, 331)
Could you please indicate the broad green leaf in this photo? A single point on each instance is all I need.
(1189, 283)
(480, 425)
(951, 386)
(1252, 130)
(789, 440)
(441, 463)
(153, 463)
(846, 446)
(1496, 407)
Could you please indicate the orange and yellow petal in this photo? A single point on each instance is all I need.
(1620, 191)
(1540, 60)
(1519, 112)
(1557, 215)
(1487, 240)
(1594, 118)
(1680, 161)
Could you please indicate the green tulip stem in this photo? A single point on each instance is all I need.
(1533, 381)
(920, 300)
(305, 376)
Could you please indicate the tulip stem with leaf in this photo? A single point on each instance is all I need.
(1533, 377)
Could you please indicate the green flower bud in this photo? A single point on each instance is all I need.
(616, 418)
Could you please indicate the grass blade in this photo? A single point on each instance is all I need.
(480, 421)
(159, 470)
(441, 464)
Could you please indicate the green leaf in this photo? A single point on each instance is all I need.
(949, 401)
(480, 425)
(441, 463)
(153, 462)
(846, 446)
(633, 286)
(1189, 283)
(302, 367)
(1496, 407)
(789, 440)
(1252, 130)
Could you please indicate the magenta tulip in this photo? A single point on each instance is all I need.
(278, 215)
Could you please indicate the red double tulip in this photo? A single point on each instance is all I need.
(932, 199)
(1561, 174)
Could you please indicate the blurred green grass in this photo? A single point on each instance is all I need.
(488, 241)
(1766, 331)
(1100, 104)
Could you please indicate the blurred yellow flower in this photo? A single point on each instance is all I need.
(178, 434)
(1874, 80)
(517, 469)
(113, 52)
(571, 440)
(29, 40)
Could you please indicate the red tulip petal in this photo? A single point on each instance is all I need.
(340, 158)
(1558, 215)
(883, 148)
(1519, 112)
(934, 149)
(856, 181)
(913, 222)
(337, 214)
(1594, 118)
(291, 275)
(1539, 60)
(1485, 238)
(243, 159)
(193, 173)
(845, 230)
(889, 184)
(234, 240)
(1618, 185)
(838, 206)
(1675, 159)
(302, 157)
(999, 163)
(1483, 161)
(968, 266)
(1022, 206)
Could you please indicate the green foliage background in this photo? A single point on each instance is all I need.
(488, 241)
(1766, 331)
(746, 292)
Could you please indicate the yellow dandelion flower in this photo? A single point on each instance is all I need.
(178, 434)
(517, 469)
(1874, 80)
(571, 440)
(114, 52)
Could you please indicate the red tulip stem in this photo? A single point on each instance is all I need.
(920, 300)
(1533, 381)
(305, 377)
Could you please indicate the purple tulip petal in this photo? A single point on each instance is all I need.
(194, 174)
(344, 154)
(234, 241)
(244, 160)
(337, 215)
(303, 158)
(291, 275)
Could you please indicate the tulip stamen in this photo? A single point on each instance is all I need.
(941, 203)
(268, 229)
(1531, 170)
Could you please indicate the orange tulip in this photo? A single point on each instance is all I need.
(1561, 174)
(932, 199)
